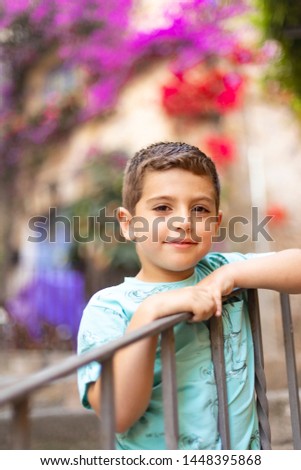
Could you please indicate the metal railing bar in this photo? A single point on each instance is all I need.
(170, 402)
(260, 381)
(70, 365)
(217, 348)
(107, 419)
(21, 424)
(18, 394)
(100, 354)
(291, 369)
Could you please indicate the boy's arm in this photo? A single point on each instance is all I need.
(277, 271)
(134, 365)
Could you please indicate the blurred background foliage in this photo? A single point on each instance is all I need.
(97, 225)
(281, 22)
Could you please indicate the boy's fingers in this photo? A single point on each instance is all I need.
(219, 307)
(208, 303)
(218, 313)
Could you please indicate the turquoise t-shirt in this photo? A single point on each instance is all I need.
(107, 316)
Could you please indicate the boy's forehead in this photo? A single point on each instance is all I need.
(173, 182)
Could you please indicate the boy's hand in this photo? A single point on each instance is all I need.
(203, 300)
(219, 283)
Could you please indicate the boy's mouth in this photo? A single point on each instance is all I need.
(179, 241)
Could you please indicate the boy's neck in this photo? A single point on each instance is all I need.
(168, 276)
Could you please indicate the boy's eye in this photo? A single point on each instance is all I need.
(200, 210)
(161, 208)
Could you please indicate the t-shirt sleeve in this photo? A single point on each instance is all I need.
(103, 320)
(216, 260)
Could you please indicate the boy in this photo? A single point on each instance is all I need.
(171, 210)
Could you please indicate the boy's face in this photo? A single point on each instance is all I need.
(174, 222)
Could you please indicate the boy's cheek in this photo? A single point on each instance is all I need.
(204, 230)
(138, 229)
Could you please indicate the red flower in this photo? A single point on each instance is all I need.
(221, 149)
(278, 212)
(202, 92)
(231, 93)
(242, 55)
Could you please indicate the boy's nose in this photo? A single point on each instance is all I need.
(183, 222)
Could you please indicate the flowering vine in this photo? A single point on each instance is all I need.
(98, 38)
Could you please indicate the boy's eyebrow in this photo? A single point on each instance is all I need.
(171, 198)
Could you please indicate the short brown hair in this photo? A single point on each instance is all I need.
(165, 156)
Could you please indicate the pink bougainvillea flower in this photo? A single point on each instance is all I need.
(102, 39)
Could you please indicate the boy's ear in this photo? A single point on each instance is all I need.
(219, 221)
(124, 217)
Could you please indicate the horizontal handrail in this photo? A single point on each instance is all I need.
(18, 394)
(38, 379)
(70, 365)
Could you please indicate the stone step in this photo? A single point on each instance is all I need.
(55, 428)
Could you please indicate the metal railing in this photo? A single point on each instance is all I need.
(19, 395)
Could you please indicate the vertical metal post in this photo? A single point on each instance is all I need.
(260, 380)
(170, 404)
(291, 369)
(217, 348)
(21, 425)
(107, 420)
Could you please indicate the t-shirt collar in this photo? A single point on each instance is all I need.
(191, 280)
